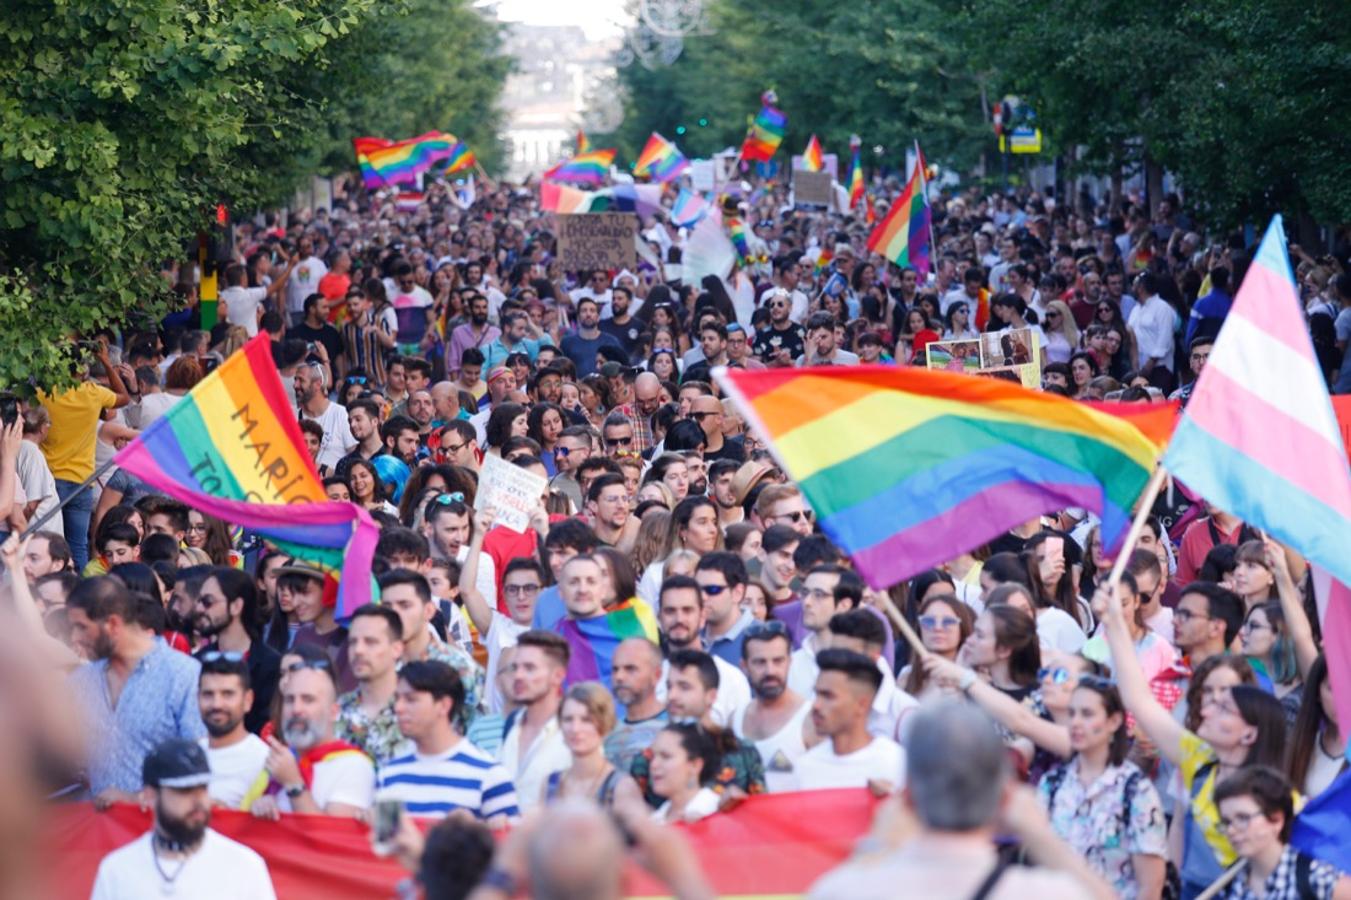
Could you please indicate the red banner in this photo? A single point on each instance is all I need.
(772, 844)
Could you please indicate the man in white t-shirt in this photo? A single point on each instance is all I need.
(1153, 323)
(521, 585)
(313, 772)
(850, 757)
(243, 304)
(304, 280)
(448, 525)
(224, 695)
(312, 396)
(35, 476)
(180, 855)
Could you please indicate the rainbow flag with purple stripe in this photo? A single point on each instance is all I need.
(232, 449)
(387, 162)
(583, 168)
(688, 209)
(765, 135)
(903, 236)
(461, 158)
(660, 160)
(593, 641)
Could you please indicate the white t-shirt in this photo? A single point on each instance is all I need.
(338, 440)
(1152, 324)
(37, 482)
(1057, 630)
(502, 633)
(343, 778)
(304, 281)
(821, 768)
(220, 868)
(487, 574)
(734, 691)
(530, 770)
(234, 769)
(241, 306)
(152, 406)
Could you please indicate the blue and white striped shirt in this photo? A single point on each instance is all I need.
(464, 777)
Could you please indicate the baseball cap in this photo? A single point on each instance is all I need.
(176, 763)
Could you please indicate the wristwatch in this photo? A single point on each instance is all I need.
(295, 790)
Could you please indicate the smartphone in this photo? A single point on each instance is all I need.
(9, 409)
(387, 817)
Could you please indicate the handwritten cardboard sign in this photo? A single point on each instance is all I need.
(811, 188)
(510, 490)
(602, 240)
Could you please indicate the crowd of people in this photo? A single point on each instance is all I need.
(671, 635)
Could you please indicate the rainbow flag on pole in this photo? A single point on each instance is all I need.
(1259, 439)
(461, 158)
(907, 468)
(660, 160)
(386, 162)
(584, 168)
(232, 449)
(855, 179)
(812, 158)
(903, 235)
(765, 134)
(583, 144)
(740, 235)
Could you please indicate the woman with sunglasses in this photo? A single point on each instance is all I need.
(957, 325)
(944, 625)
(1062, 334)
(1257, 809)
(1155, 655)
(1100, 803)
(1242, 726)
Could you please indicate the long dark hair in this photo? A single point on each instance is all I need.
(1059, 595)
(1265, 713)
(1017, 631)
(698, 744)
(1111, 703)
(1240, 667)
(919, 676)
(1310, 723)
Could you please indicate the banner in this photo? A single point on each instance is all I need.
(601, 240)
(812, 188)
(510, 490)
(771, 845)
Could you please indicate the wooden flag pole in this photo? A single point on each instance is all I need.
(1147, 499)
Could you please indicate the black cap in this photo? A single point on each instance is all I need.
(176, 763)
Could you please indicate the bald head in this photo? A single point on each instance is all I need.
(634, 672)
(576, 852)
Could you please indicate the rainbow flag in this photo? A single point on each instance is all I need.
(1259, 438)
(765, 135)
(563, 199)
(855, 179)
(660, 160)
(593, 641)
(583, 145)
(583, 168)
(688, 209)
(736, 229)
(461, 158)
(823, 260)
(812, 160)
(385, 162)
(903, 235)
(907, 468)
(232, 449)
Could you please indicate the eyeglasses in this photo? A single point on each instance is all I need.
(454, 448)
(935, 622)
(447, 499)
(1058, 674)
(817, 594)
(797, 515)
(521, 590)
(1186, 615)
(1252, 625)
(324, 664)
(1200, 357)
(713, 590)
(767, 629)
(201, 526)
(211, 656)
(1239, 821)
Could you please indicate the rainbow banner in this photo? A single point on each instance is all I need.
(765, 134)
(660, 160)
(593, 641)
(232, 449)
(812, 158)
(907, 468)
(688, 209)
(855, 179)
(461, 158)
(584, 168)
(386, 162)
(736, 229)
(903, 235)
(583, 144)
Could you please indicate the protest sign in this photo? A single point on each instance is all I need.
(512, 492)
(954, 356)
(1015, 351)
(596, 240)
(811, 188)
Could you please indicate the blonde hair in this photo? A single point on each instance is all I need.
(600, 706)
(677, 557)
(1068, 327)
(197, 555)
(650, 545)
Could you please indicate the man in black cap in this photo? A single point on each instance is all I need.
(181, 856)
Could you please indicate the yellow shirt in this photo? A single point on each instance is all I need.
(1196, 755)
(69, 447)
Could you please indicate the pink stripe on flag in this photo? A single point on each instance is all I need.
(1272, 439)
(1337, 646)
(1270, 291)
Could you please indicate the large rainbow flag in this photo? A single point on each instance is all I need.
(232, 449)
(593, 641)
(812, 158)
(583, 168)
(907, 468)
(660, 160)
(765, 134)
(903, 236)
(386, 162)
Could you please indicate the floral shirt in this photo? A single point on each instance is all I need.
(1102, 824)
(742, 768)
(378, 737)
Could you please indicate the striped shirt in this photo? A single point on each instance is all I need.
(464, 777)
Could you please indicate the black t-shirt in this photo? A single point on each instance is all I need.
(325, 334)
(732, 448)
(627, 334)
(769, 341)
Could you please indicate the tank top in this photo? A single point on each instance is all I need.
(779, 751)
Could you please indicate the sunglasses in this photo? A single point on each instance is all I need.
(1058, 675)
(933, 622)
(700, 416)
(713, 590)
(764, 629)
(1096, 682)
(797, 515)
(211, 656)
(319, 664)
(355, 379)
(620, 441)
(565, 452)
(447, 499)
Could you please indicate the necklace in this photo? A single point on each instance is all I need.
(167, 886)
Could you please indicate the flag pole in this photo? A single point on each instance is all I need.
(1147, 499)
(51, 513)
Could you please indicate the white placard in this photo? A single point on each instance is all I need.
(511, 491)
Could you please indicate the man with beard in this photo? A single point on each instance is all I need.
(783, 340)
(475, 333)
(366, 715)
(236, 756)
(680, 613)
(134, 694)
(313, 772)
(621, 325)
(363, 418)
(422, 410)
(777, 721)
(582, 345)
(227, 618)
(402, 438)
(532, 740)
(180, 855)
(312, 396)
(634, 673)
(722, 488)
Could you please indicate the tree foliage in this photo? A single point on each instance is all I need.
(124, 122)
